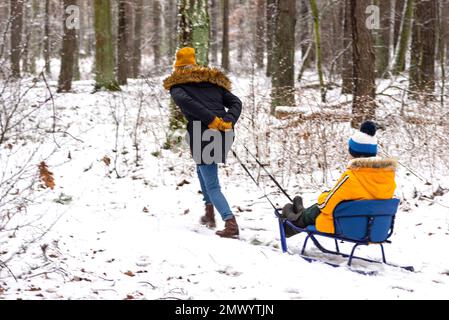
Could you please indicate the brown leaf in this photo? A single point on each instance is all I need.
(129, 274)
(46, 176)
(145, 209)
(106, 160)
(129, 297)
(34, 289)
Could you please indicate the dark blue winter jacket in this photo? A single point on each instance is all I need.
(203, 94)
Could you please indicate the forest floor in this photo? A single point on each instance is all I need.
(111, 229)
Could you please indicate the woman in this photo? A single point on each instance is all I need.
(204, 96)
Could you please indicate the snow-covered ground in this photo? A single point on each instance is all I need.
(120, 231)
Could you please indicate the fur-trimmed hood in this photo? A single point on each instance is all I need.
(373, 163)
(197, 74)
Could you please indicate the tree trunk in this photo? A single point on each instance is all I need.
(157, 12)
(16, 36)
(137, 39)
(442, 29)
(422, 69)
(364, 106)
(317, 40)
(383, 39)
(124, 36)
(271, 25)
(260, 33)
(104, 49)
(27, 33)
(214, 13)
(399, 7)
(193, 28)
(415, 52)
(225, 63)
(347, 86)
(47, 49)
(172, 11)
(401, 52)
(67, 51)
(241, 27)
(429, 32)
(283, 78)
(35, 41)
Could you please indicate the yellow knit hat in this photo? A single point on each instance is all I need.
(185, 57)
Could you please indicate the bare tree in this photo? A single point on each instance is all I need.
(271, 24)
(364, 106)
(347, 86)
(124, 37)
(225, 63)
(16, 36)
(137, 39)
(47, 48)
(260, 33)
(67, 52)
(283, 77)
(104, 49)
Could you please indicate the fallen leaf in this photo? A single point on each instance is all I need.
(46, 176)
(129, 297)
(106, 160)
(145, 209)
(129, 274)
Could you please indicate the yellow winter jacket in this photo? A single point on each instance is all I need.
(364, 179)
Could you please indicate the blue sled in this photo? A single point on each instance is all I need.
(362, 223)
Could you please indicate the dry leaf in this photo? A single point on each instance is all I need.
(106, 160)
(129, 274)
(145, 209)
(129, 297)
(46, 176)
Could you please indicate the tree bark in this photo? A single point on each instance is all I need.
(317, 40)
(137, 39)
(260, 33)
(271, 25)
(157, 12)
(16, 36)
(47, 49)
(383, 39)
(422, 69)
(283, 78)
(225, 63)
(399, 7)
(401, 52)
(67, 51)
(348, 66)
(364, 106)
(104, 49)
(27, 33)
(124, 42)
(214, 14)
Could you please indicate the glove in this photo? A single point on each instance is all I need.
(219, 124)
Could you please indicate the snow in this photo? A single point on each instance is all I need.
(133, 233)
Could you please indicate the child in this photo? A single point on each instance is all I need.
(367, 177)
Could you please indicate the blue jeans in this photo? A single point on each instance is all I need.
(210, 186)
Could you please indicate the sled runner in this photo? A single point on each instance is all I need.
(363, 223)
